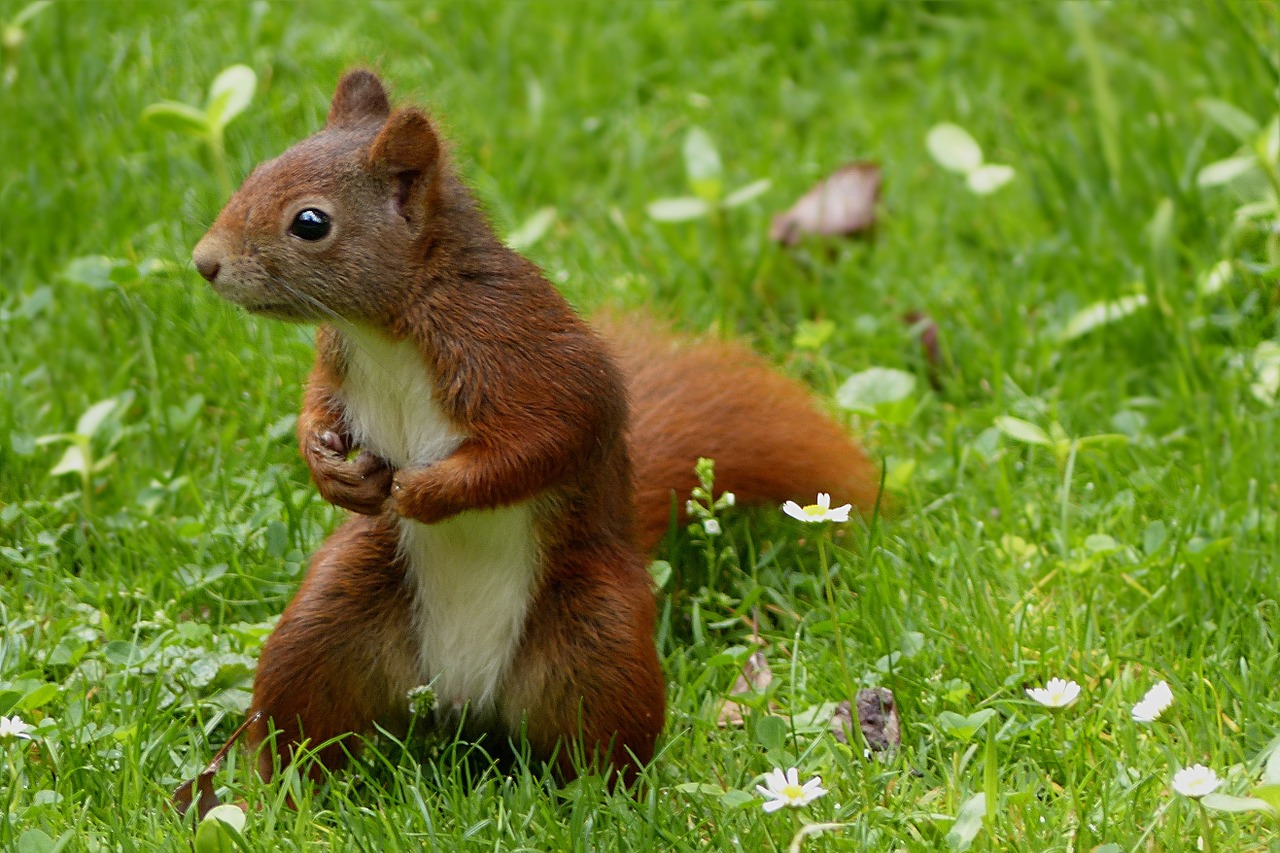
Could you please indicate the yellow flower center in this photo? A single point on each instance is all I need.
(792, 792)
(814, 510)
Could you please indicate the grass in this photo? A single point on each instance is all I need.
(134, 609)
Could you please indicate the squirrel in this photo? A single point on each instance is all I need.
(509, 468)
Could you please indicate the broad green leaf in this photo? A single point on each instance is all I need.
(771, 733)
(953, 148)
(36, 303)
(870, 390)
(988, 178)
(217, 831)
(1154, 536)
(532, 229)
(22, 444)
(35, 841)
(964, 727)
(1100, 543)
(678, 209)
(92, 271)
(968, 823)
(122, 653)
(1228, 803)
(702, 164)
(812, 334)
(1101, 314)
(1024, 431)
(180, 118)
(72, 462)
(735, 799)
(1230, 118)
(1271, 775)
(37, 697)
(1225, 171)
(1270, 794)
(231, 815)
(94, 416)
(751, 191)
(660, 572)
(231, 92)
(814, 719)
(699, 788)
(277, 538)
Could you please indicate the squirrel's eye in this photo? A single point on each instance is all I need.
(311, 224)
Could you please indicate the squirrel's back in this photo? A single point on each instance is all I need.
(692, 398)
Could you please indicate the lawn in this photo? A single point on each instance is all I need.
(1082, 476)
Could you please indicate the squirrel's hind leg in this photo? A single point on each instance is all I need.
(586, 685)
(343, 655)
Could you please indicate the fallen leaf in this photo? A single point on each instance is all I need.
(186, 794)
(877, 718)
(928, 331)
(207, 800)
(843, 204)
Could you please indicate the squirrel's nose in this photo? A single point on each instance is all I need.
(208, 267)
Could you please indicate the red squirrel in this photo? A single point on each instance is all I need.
(515, 466)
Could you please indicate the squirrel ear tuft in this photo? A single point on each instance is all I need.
(408, 149)
(360, 97)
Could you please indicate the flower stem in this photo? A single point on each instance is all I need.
(1206, 827)
(835, 626)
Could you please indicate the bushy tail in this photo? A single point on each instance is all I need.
(769, 441)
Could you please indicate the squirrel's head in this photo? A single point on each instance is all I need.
(316, 233)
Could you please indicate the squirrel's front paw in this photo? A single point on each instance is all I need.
(361, 485)
(414, 496)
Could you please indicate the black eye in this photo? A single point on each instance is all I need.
(311, 224)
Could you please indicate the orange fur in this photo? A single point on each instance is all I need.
(497, 469)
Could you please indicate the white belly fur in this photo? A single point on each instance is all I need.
(473, 574)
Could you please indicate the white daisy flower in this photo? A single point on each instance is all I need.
(14, 727)
(1058, 693)
(1153, 704)
(1195, 781)
(784, 789)
(820, 511)
(711, 526)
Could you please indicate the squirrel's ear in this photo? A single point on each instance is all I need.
(408, 149)
(360, 97)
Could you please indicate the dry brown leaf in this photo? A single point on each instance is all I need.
(877, 718)
(843, 204)
(755, 678)
(186, 794)
(928, 331)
